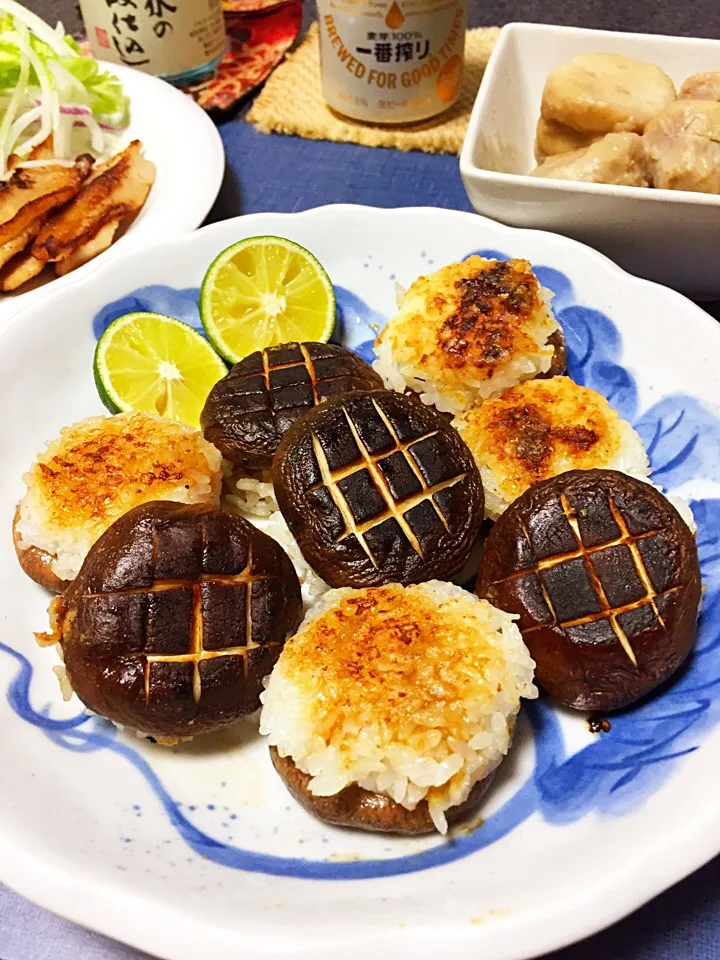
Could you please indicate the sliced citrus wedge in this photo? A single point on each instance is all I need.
(263, 291)
(155, 364)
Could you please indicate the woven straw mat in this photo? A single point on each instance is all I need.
(292, 103)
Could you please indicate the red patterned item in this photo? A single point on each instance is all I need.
(260, 32)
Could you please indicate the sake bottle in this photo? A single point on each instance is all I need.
(181, 41)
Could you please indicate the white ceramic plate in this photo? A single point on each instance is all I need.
(185, 146)
(199, 851)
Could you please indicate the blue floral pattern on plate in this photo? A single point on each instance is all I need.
(613, 773)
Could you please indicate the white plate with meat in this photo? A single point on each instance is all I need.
(86, 168)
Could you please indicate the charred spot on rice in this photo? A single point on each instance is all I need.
(479, 332)
(468, 331)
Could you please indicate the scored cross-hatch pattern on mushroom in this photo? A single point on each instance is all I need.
(306, 362)
(197, 653)
(608, 611)
(395, 509)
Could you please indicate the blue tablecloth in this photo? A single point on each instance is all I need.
(288, 174)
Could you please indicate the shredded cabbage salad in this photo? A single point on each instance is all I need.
(48, 87)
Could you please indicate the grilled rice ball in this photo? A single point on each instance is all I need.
(604, 576)
(378, 488)
(542, 428)
(249, 410)
(96, 471)
(177, 615)
(391, 707)
(468, 331)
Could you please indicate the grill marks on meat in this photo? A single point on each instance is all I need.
(66, 214)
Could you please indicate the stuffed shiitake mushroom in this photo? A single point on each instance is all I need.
(469, 330)
(603, 573)
(96, 471)
(378, 488)
(249, 410)
(175, 618)
(392, 706)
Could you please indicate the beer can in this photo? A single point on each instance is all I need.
(391, 61)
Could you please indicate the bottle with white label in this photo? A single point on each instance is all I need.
(391, 61)
(182, 41)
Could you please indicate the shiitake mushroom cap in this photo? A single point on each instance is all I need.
(37, 563)
(559, 362)
(366, 810)
(177, 615)
(378, 488)
(248, 411)
(604, 575)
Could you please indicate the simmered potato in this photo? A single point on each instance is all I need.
(682, 145)
(618, 158)
(701, 86)
(552, 138)
(606, 93)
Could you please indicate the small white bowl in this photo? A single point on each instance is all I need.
(670, 236)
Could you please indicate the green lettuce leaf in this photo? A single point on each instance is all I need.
(104, 91)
